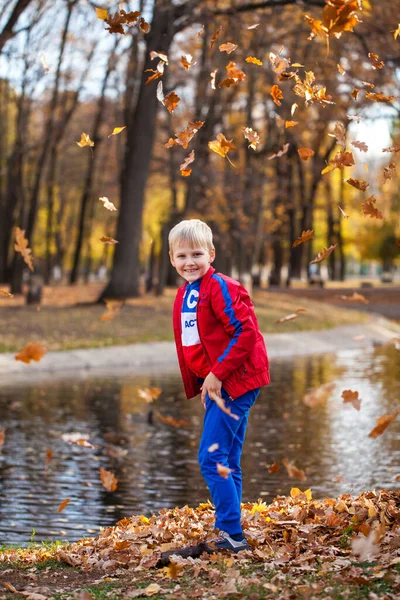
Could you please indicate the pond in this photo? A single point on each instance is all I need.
(156, 463)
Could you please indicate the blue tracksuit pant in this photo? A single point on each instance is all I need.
(220, 428)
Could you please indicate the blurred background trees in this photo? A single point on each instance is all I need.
(62, 74)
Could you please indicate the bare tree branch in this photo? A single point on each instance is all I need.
(8, 29)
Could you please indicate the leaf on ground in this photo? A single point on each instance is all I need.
(365, 548)
(306, 235)
(369, 208)
(318, 395)
(22, 246)
(293, 471)
(32, 351)
(352, 397)
(63, 504)
(355, 297)
(323, 254)
(107, 204)
(108, 480)
(113, 308)
(383, 423)
(295, 492)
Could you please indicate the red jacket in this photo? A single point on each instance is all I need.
(229, 334)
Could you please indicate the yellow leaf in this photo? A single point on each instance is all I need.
(102, 13)
(254, 60)
(117, 130)
(296, 492)
(327, 169)
(144, 519)
(85, 141)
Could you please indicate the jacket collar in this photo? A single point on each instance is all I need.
(204, 282)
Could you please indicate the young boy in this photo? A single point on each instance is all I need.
(221, 352)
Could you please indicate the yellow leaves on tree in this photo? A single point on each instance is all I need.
(182, 138)
(323, 254)
(21, 246)
(108, 480)
(254, 60)
(222, 146)
(359, 184)
(277, 94)
(383, 423)
(338, 16)
(369, 209)
(306, 235)
(32, 351)
(117, 130)
(185, 172)
(352, 397)
(251, 136)
(85, 141)
(305, 153)
(228, 47)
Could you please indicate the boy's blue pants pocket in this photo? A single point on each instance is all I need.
(220, 428)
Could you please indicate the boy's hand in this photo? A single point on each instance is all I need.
(211, 385)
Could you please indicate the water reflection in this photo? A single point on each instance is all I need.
(156, 464)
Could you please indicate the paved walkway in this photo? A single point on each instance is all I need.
(137, 359)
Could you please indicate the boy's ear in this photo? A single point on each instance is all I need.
(212, 255)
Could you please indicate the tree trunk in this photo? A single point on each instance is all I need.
(8, 30)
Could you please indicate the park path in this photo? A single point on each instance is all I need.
(156, 357)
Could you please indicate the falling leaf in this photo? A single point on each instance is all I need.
(85, 141)
(359, 184)
(357, 119)
(392, 149)
(379, 97)
(44, 63)
(337, 17)
(161, 55)
(184, 137)
(2, 437)
(150, 394)
(108, 480)
(274, 468)
(293, 108)
(327, 169)
(170, 420)
(187, 61)
(108, 240)
(339, 133)
(354, 93)
(310, 92)
(318, 395)
(63, 504)
(219, 401)
(213, 75)
(213, 447)
(368, 208)
(305, 153)
(221, 146)
(113, 308)
(107, 204)
(323, 254)
(223, 471)
(251, 136)
(396, 32)
(185, 172)
(281, 152)
(383, 423)
(279, 63)
(117, 130)
(306, 235)
(344, 215)
(355, 297)
(215, 36)
(342, 159)
(49, 456)
(157, 72)
(258, 25)
(171, 101)
(21, 246)
(340, 69)
(295, 492)
(376, 63)
(229, 47)
(121, 18)
(365, 547)
(144, 26)
(294, 472)
(368, 84)
(290, 317)
(254, 60)
(234, 75)
(7, 294)
(200, 32)
(389, 171)
(290, 124)
(352, 397)
(102, 13)
(277, 94)
(360, 145)
(32, 351)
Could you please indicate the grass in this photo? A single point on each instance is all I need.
(64, 322)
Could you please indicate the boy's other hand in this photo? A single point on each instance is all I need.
(211, 385)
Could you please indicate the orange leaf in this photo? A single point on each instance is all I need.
(323, 254)
(254, 60)
(305, 153)
(355, 297)
(383, 423)
(63, 505)
(7, 294)
(219, 401)
(184, 137)
(170, 420)
(215, 36)
(306, 235)
(32, 351)
(349, 396)
(144, 26)
(277, 94)
(21, 246)
(223, 471)
(251, 136)
(369, 209)
(360, 184)
(379, 97)
(108, 240)
(108, 480)
(354, 93)
(2, 437)
(338, 16)
(171, 101)
(281, 152)
(274, 468)
(340, 69)
(184, 166)
(376, 63)
(221, 145)
(342, 159)
(360, 145)
(150, 394)
(229, 47)
(290, 124)
(318, 395)
(187, 61)
(157, 72)
(294, 472)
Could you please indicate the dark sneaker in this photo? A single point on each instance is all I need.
(225, 542)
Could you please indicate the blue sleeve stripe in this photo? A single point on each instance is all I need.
(228, 310)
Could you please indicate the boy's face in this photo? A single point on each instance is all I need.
(191, 262)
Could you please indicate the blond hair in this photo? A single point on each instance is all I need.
(192, 231)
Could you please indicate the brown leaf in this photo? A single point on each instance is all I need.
(310, 92)
(7, 294)
(279, 63)
(223, 471)
(157, 72)
(184, 166)
(63, 504)
(32, 351)
(360, 145)
(281, 152)
(229, 47)
(342, 159)
(187, 61)
(108, 480)
(389, 171)
(144, 26)
(49, 456)
(108, 240)
(376, 63)
(150, 394)
(368, 208)
(219, 401)
(383, 423)
(323, 254)
(178, 423)
(21, 246)
(354, 93)
(352, 397)
(355, 297)
(274, 468)
(379, 97)
(221, 145)
(2, 436)
(339, 133)
(318, 395)
(305, 153)
(392, 149)
(306, 235)
(360, 184)
(215, 36)
(277, 94)
(171, 101)
(294, 472)
(251, 136)
(186, 135)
